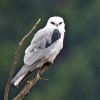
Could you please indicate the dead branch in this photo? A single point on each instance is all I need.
(7, 88)
(29, 85)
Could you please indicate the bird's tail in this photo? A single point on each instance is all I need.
(20, 75)
(25, 70)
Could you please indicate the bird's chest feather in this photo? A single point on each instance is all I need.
(55, 49)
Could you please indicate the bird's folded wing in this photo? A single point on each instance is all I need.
(37, 49)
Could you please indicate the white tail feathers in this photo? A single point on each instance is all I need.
(16, 83)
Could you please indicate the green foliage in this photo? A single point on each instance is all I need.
(75, 75)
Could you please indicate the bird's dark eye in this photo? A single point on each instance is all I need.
(53, 23)
(60, 23)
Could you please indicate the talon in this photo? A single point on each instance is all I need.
(28, 82)
(40, 78)
(28, 92)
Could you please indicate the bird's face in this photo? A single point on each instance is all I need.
(56, 22)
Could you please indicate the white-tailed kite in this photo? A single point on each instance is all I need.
(45, 46)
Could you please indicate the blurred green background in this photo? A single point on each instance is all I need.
(75, 74)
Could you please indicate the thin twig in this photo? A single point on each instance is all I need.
(7, 88)
(29, 85)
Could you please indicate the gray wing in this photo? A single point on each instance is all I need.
(36, 50)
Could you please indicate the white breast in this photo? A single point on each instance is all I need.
(57, 46)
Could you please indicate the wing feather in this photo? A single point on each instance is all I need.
(36, 50)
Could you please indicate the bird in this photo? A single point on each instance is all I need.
(44, 47)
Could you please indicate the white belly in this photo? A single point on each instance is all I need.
(55, 50)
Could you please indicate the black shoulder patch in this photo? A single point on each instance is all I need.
(47, 44)
(55, 36)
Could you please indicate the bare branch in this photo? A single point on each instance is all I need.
(30, 84)
(6, 94)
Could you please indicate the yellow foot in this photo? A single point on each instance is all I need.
(40, 78)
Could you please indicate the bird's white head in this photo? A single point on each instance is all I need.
(56, 22)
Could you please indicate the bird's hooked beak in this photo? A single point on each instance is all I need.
(56, 25)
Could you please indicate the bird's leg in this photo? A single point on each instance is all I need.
(39, 77)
